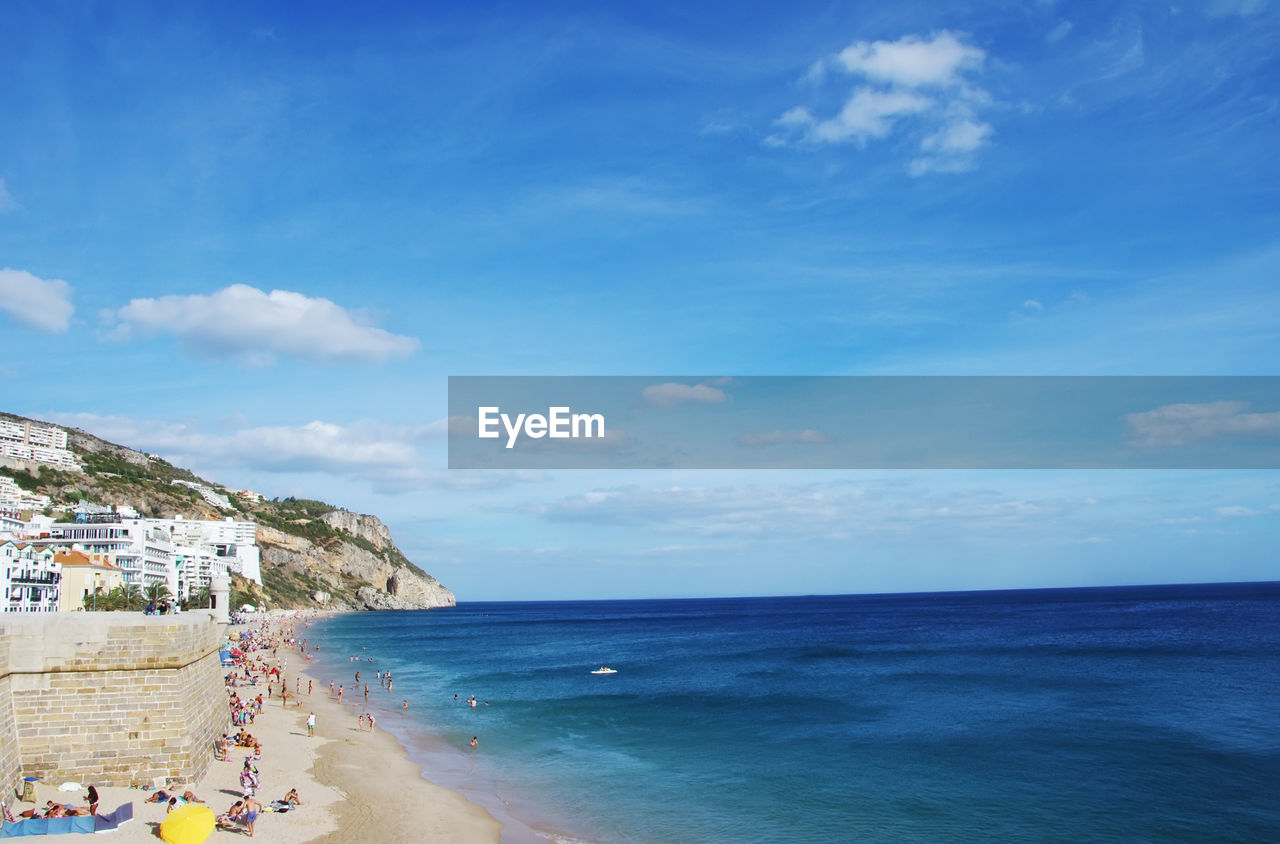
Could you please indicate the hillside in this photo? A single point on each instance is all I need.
(313, 554)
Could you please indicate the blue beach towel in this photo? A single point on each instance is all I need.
(62, 826)
(47, 826)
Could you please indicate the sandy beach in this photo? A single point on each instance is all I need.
(352, 783)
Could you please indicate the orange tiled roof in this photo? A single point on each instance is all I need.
(79, 558)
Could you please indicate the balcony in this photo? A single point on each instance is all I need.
(36, 579)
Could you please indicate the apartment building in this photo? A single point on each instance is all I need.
(31, 577)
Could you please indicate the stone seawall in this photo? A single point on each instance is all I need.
(109, 698)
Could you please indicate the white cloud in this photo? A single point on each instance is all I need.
(672, 393)
(1032, 305)
(7, 202)
(869, 113)
(1181, 424)
(249, 325)
(950, 148)
(778, 437)
(912, 61)
(959, 136)
(43, 304)
(920, 87)
(1234, 511)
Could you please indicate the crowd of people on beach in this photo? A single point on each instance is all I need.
(258, 655)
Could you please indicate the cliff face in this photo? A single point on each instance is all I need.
(313, 554)
(369, 528)
(345, 575)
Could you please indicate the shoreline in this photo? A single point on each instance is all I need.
(386, 791)
(399, 735)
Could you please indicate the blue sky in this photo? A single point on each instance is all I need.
(258, 239)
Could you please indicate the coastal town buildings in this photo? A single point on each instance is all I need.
(32, 444)
(183, 554)
(30, 576)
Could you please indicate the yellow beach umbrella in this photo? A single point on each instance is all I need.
(189, 824)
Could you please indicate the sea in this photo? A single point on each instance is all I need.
(1104, 714)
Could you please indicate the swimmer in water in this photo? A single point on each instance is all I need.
(473, 741)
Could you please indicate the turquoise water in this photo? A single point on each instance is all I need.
(1117, 714)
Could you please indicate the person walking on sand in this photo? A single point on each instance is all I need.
(339, 694)
(371, 722)
(311, 725)
(250, 813)
(308, 688)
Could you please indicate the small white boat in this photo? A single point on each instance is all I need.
(603, 670)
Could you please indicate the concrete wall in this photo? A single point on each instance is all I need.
(109, 698)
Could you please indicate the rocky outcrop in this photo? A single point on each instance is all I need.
(352, 576)
(368, 528)
(79, 440)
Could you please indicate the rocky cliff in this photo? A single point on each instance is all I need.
(346, 575)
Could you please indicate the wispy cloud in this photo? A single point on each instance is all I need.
(818, 510)
(7, 202)
(779, 437)
(921, 88)
(253, 327)
(1235, 511)
(42, 304)
(1062, 30)
(1181, 424)
(1234, 8)
(672, 393)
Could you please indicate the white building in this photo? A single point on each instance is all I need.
(36, 443)
(217, 499)
(235, 542)
(14, 497)
(30, 576)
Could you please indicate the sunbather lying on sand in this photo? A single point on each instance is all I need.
(161, 796)
(56, 810)
(230, 819)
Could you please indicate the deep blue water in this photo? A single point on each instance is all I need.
(1113, 714)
